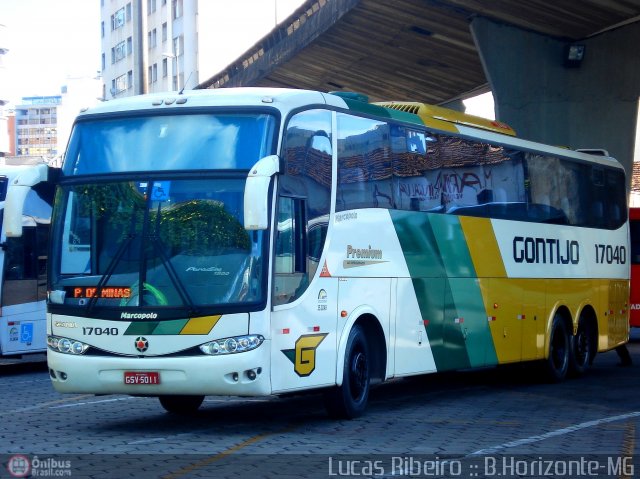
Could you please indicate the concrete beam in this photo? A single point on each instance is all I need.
(594, 105)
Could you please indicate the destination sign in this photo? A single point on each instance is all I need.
(107, 292)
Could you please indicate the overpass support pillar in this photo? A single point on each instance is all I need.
(593, 105)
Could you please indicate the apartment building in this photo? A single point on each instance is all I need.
(150, 45)
(161, 45)
(37, 126)
(5, 143)
(43, 122)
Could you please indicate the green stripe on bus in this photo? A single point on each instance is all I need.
(142, 327)
(380, 111)
(428, 274)
(171, 327)
(470, 312)
(447, 291)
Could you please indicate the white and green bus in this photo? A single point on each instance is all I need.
(253, 242)
(26, 190)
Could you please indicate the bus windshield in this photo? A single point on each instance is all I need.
(169, 142)
(157, 242)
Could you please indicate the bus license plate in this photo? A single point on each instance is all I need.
(141, 378)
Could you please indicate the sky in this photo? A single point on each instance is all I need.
(52, 40)
(49, 41)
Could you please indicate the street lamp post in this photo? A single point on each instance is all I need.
(173, 58)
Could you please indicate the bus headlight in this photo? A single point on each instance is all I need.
(237, 344)
(66, 345)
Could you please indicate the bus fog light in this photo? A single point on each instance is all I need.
(236, 344)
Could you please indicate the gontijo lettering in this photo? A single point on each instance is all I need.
(545, 250)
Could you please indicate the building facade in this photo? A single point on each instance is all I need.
(37, 126)
(5, 143)
(144, 43)
(43, 123)
(166, 45)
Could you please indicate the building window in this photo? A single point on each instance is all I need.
(153, 38)
(152, 73)
(104, 64)
(164, 32)
(151, 6)
(129, 12)
(129, 46)
(178, 44)
(118, 52)
(117, 19)
(102, 29)
(164, 68)
(176, 8)
(119, 84)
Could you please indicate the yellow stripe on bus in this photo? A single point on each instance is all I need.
(202, 325)
(483, 247)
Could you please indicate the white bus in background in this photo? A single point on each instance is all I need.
(23, 258)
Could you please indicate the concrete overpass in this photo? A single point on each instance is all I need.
(441, 51)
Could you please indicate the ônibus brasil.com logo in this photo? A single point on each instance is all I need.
(20, 465)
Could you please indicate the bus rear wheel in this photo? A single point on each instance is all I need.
(582, 350)
(181, 404)
(349, 400)
(557, 363)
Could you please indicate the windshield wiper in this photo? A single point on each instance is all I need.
(166, 262)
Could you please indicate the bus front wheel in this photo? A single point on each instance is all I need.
(349, 400)
(181, 404)
(557, 363)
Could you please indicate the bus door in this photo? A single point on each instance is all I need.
(303, 321)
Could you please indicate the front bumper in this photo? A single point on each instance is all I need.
(193, 375)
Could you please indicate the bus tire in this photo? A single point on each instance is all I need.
(181, 404)
(349, 400)
(557, 363)
(582, 348)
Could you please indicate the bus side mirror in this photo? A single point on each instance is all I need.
(17, 191)
(256, 193)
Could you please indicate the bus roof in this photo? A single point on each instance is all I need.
(286, 100)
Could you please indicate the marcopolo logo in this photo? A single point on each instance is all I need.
(138, 315)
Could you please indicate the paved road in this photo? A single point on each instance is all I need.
(493, 423)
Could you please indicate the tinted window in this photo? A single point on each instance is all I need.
(304, 202)
(364, 164)
(169, 142)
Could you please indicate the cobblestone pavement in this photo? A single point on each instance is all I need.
(499, 422)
